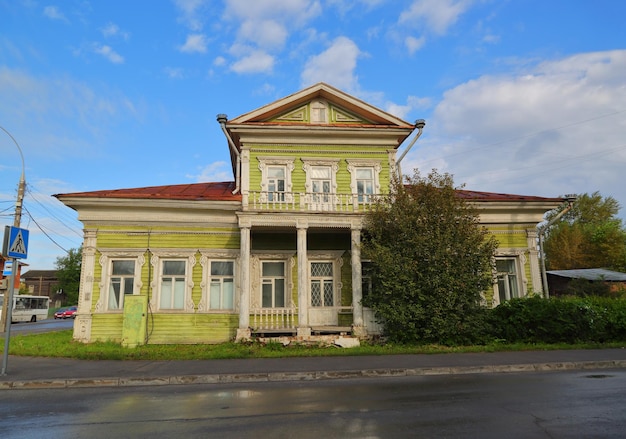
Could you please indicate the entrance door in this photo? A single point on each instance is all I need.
(322, 311)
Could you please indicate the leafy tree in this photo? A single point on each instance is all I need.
(588, 236)
(431, 260)
(68, 273)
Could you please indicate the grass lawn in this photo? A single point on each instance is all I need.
(60, 344)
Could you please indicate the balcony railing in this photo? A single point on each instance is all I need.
(273, 318)
(309, 201)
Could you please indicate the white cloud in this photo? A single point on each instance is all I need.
(435, 15)
(256, 61)
(336, 65)
(266, 25)
(414, 44)
(412, 103)
(558, 127)
(113, 30)
(53, 13)
(264, 33)
(108, 53)
(192, 13)
(195, 43)
(174, 72)
(216, 171)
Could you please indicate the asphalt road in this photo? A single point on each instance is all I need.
(47, 325)
(526, 405)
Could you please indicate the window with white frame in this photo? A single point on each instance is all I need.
(508, 281)
(364, 184)
(276, 178)
(172, 283)
(276, 183)
(318, 112)
(321, 179)
(121, 282)
(273, 283)
(222, 285)
(322, 284)
(365, 179)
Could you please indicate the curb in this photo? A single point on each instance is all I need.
(305, 376)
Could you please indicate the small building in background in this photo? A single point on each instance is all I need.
(43, 283)
(567, 282)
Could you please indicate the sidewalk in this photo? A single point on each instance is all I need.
(35, 372)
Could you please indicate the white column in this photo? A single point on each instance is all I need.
(303, 279)
(243, 333)
(82, 323)
(357, 285)
(533, 256)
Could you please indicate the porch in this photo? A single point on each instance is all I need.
(275, 322)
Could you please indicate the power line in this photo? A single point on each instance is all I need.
(62, 222)
(44, 232)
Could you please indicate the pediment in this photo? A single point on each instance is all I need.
(320, 104)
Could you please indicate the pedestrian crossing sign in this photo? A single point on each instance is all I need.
(18, 243)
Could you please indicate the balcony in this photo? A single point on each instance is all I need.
(308, 202)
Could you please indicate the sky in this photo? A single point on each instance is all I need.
(519, 96)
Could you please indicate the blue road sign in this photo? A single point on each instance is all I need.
(18, 243)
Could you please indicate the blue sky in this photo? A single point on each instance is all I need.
(520, 96)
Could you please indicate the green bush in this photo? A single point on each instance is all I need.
(560, 320)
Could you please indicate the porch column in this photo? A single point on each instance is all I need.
(303, 278)
(357, 286)
(82, 322)
(243, 333)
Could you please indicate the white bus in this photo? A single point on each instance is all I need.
(28, 308)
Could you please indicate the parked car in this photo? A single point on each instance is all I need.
(59, 313)
(70, 313)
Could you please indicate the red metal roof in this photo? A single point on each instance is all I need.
(222, 191)
(493, 196)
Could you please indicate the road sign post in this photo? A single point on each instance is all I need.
(17, 247)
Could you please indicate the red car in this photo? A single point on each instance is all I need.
(70, 313)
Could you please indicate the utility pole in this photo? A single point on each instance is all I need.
(7, 307)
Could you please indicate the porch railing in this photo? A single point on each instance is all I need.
(273, 318)
(309, 201)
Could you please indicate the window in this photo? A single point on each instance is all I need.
(366, 279)
(364, 184)
(318, 112)
(222, 285)
(322, 290)
(172, 283)
(121, 282)
(273, 285)
(276, 179)
(507, 279)
(365, 179)
(320, 183)
(276, 183)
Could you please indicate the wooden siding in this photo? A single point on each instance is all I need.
(298, 175)
(191, 328)
(107, 327)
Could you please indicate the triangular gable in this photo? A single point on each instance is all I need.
(341, 109)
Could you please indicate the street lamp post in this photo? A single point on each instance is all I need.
(7, 308)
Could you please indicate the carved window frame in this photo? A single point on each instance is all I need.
(208, 256)
(106, 259)
(189, 257)
(354, 164)
(288, 164)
